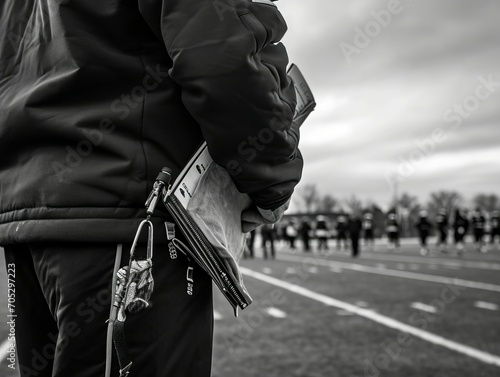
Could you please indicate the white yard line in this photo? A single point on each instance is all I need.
(446, 262)
(275, 312)
(344, 313)
(481, 265)
(423, 307)
(376, 317)
(486, 305)
(394, 273)
(291, 270)
(312, 270)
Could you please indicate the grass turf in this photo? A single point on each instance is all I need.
(319, 340)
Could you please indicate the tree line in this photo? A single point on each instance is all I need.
(309, 201)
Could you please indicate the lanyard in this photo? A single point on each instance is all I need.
(135, 283)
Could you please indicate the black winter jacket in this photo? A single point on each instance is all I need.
(97, 95)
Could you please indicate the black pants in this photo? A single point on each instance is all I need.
(322, 243)
(369, 237)
(355, 245)
(423, 238)
(459, 235)
(63, 302)
(495, 232)
(305, 239)
(443, 236)
(478, 235)
(393, 237)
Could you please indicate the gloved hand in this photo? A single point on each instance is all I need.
(254, 217)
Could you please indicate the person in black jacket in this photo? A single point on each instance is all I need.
(478, 226)
(423, 227)
(495, 228)
(392, 229)
(442, 227)
(342, 228)
(305, 233)
(460, 227)
(96, 97)
(268, 234)
(250, 244)
(355, 227)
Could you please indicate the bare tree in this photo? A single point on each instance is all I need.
(354, 205)
(446, 200)
(327, 204)
(408, 209)
(487, 202)
(309, 197)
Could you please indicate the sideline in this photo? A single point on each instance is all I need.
(441, 261)
(393, 273)
(436, 260)
(379, 318)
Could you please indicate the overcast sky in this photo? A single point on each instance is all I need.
(404, 89)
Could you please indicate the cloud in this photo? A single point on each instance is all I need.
(372, 111)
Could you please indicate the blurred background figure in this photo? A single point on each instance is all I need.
(392, 229)
(250, 238)
(305, 233)
(368, 230)
(355, 226)
(322, 233)
(279, 231)
(423, 227)
(341, 228)
(268, 233)
(291, 233)
(478, 225)
(442, 228)
(460, 227)
(495, 228)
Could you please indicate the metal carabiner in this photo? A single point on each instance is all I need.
(149, 249)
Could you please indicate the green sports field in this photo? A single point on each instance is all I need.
(387, 313)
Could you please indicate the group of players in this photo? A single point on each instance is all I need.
(478, 222)
(348, 230)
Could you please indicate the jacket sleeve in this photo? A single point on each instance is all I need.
(232, 70)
